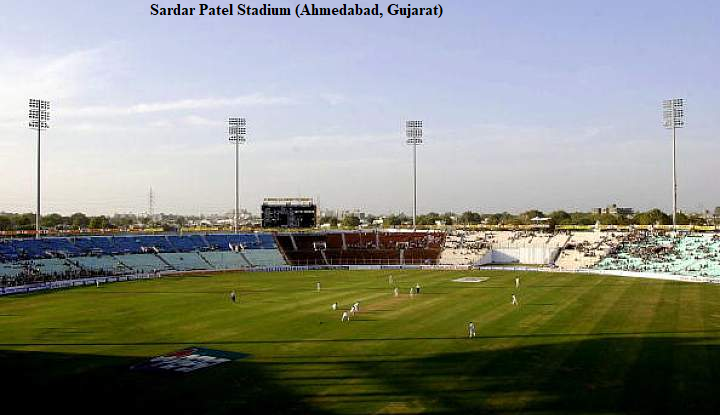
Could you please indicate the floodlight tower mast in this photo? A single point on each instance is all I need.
(237, 130)
(39, 115)
(414, 137)
(674, 118)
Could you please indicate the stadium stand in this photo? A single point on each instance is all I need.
(585, 249)
(125, 245)
(36, 260)
(94, 245)
(502, 247)
(225, 259)
(143, 262)
(188, 243)
(464, 248)
(689, 255)
(33, 260)
(264, 257)
(10, 271)
(54, 267)
(104, 264)
(185, 261)
(155, 243)
(361, 248)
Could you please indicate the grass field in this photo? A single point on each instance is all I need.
(576, 344)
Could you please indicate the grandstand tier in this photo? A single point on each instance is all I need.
(350, 248)
(29, 260)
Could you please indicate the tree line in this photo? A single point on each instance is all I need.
(558, 217)
(76, 221)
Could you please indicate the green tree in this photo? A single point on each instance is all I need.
(652, 217)
(79, 220)
(608, 219)
(51, 221)
(560, 217)
(582, 218)
(530, 214)
(99, 222)
(6, 223)
(351, 221)
(469, 218)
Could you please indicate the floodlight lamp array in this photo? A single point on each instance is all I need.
(237, 129)
(674, 113)
(414, 132)
(39, 114)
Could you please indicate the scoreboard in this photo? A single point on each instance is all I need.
(280, 212)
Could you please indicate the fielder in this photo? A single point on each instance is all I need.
(514, 300)
(232, 296)
(396, 291)
(517, 282)
(471, 330)
(334, 306)
(318, 286)
(345, 316)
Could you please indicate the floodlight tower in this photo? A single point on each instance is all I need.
(39, 116)
(674, 118)
(414, 137)
(237, 130)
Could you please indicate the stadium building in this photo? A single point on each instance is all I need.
(280, 212)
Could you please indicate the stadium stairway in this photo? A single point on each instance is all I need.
(157, 254)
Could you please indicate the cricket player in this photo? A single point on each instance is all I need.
(357, 306)
(517, 282)
(97, 283)
(417, 288)
(396, 291)
(352, 310)
(471, 330)
(514, 300)
(334, 306)
(345, 316)
(232, 296)
(412, 292)
(318, 286)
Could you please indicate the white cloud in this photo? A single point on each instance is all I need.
(257, 99)
(62, 77)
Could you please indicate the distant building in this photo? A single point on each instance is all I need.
(614, 210)
(280, 212)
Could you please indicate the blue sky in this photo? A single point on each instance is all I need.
(527, 104)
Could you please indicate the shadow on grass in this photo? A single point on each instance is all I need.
(84, 384)
(509, 336)
(598, 375)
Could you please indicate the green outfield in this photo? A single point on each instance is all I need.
(576, 344)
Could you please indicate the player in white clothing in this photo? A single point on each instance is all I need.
(334, 306)
(517, 282)
(345, 316)
(514, 300)
(471, 330)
